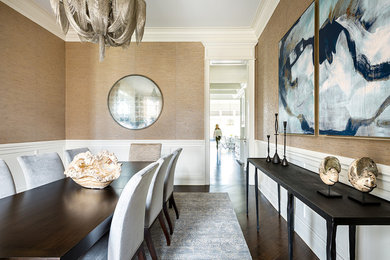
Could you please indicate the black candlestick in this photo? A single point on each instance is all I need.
(284, 161)
(276, 158)
(268, 157)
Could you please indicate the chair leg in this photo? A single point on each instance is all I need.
(172, 200)
(170, 203)
(141, 253)
(167, 217)
(164, 228)
(149, 243)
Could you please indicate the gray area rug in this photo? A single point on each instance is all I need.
(207, 229)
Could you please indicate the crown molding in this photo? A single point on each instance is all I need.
(179, 34)
(205, 35)
(263, 14)
(36, 14)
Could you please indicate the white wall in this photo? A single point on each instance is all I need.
(372, 242)
(9, 153)
(190, 166)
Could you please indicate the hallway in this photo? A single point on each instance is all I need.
(270, 243)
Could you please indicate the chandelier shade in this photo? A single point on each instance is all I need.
(107, 22)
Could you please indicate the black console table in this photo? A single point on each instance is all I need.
(303, 184)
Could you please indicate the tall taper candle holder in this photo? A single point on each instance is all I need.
(276, 158)
(284, 161)
(268, 157)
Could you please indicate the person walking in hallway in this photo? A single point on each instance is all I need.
(217, 134)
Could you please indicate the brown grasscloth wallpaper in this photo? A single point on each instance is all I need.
(286, 13)
(177, 68)
(32, 87)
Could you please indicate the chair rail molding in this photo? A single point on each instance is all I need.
(310, 226)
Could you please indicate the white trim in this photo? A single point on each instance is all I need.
(206, 35)
(190, 167)
(263, 14)
(229, 51)
(36, 14)
(311, 160)
(9, 153)
(207, 118)
(178, 34)
(310, 226)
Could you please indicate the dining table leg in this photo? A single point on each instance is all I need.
(352, 241)
(331, 229)
(290, 224)
(279, 198)
(247, 186)
(257, 198)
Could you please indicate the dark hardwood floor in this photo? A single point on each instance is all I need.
(271, 241)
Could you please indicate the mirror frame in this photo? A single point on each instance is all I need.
(162, 101)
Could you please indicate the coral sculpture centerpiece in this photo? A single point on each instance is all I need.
(94, 171)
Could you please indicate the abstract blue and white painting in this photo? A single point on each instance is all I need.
(354, 57)
(296, 75)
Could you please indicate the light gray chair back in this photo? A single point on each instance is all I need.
(170, 177)
(154, 200)
(7, 186)
(41, 169)
(144, 152)
(127, 226)
(71, 153)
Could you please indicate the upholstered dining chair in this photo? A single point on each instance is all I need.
(168, 189)
(127, 226)
(71, 153)
(145, 152)
(7, 186)
(41, 169)
(154, 203)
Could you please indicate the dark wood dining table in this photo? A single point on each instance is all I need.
(60, 220)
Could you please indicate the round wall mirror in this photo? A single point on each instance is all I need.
(135, 102)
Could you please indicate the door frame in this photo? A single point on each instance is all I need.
(229, 51)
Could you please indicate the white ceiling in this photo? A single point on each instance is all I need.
(194, 13)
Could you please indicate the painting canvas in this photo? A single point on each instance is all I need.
(296, 75)
(354, 75)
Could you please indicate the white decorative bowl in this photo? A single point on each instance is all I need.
(94, 171)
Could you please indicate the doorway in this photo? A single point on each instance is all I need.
(228, 109)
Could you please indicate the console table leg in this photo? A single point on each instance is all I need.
(331, 229)
(279, 198)
(352, 241)
(247, 186)
(290, 224)
(257, 199)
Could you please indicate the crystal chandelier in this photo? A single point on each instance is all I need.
(107, 22)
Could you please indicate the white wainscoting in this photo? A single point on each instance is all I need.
(9, 153)
(190, 166)
(190, 169)
(372, 242)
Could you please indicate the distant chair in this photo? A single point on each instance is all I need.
(127, 227)
(41, 169)
(71, 153)
(145, 152)
(154, 204)
(168, 189)
(7, 186)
